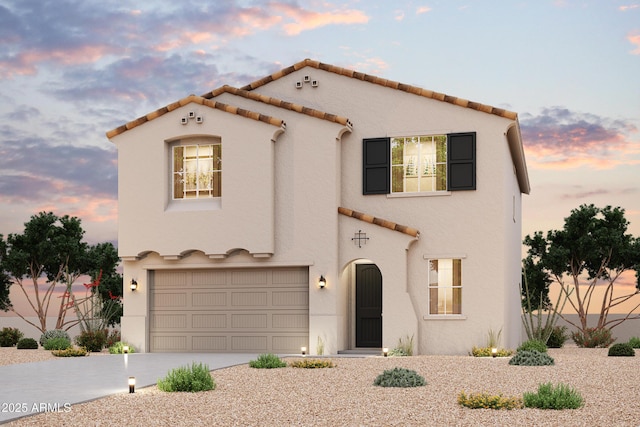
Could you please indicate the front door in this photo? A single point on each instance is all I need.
(368, 306)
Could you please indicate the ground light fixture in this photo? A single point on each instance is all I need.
(303, 350)
(322, 282)
(385, 351)
(134, 285)
(125, 349)
(132, 384)
(494, 352)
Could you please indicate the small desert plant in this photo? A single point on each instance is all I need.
(312, 363)
(634, 342)
(404, 347)
(92, 340)
(531, 358)
(550, 397)
(71, 352)
(493, 338)
(531, 345)
(27, 344)
(113, 337)
(488, 401)
(118, 348)
(557, 337)
(267, 361)
(320, 346)
(621, 349)
(53, 333)
(399, 377)
(59, 343)
(593, 337)
(192, 379)
(10, 337)
(487, 352)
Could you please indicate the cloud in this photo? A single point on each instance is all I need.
(580, 193)
(634, 39)
(625, 8)
(305, 20)
(559, 138)
(423, 9)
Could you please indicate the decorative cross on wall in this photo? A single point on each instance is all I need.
(360, 237)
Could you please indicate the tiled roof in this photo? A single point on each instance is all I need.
(198, 100)
(383, 82)
(379, 221)
(278, 103)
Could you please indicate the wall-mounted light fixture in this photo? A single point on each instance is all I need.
(322, 282)
(132, 384)
(134, 284)
(385, 351)
(303, 350)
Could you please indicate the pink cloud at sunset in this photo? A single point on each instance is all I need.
(634, 39)
(305, 20)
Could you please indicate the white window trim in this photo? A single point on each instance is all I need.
(428, 316)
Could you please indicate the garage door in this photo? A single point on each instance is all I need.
(232, 310)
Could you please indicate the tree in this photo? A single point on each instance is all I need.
(592, 250)
(51, 250)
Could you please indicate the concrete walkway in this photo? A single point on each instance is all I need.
(29, 388)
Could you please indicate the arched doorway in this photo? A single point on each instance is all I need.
(368, 306)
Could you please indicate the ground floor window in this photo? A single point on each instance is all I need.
(445, 286)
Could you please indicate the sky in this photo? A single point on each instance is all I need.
(70, 70)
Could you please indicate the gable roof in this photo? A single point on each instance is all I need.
(380, 222)
(279, 103)
(197, 100)
(461, 102)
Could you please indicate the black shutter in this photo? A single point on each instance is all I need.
(375, 165)
(461, 161)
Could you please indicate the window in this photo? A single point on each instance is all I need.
(197, 171)
(419, 164)
(445, 286)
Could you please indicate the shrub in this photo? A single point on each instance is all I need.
(593, 337)
(312, 363)
(71, 352)
(486, 352)
(53, 333)
(59, 343)
(27, 344)
(267, 361)
(118, 348)
(113, 337)
(558, 337)
(92, 340)
(621, 349)
(404, 347)
(488, 401)
(550, 397)
(634, 342)
(192, 379)
(399, 377)
(531, 358)
(10, 337)
(533, 345)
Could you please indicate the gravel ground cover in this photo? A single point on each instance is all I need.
(345, 395)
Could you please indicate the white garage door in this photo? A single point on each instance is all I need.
(233, 310)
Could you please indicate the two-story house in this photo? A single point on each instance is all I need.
(320, 207)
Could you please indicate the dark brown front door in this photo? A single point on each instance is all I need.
(368, 306)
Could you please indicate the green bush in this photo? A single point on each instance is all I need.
(558, 337)
(27, 344)
(92, 340)
(312, 363)
(621, 349)
(550, 397)
(488, 401)
(593, 337)
(59, 343)
(191, 379)
(118, 348)
(267, 361)
(634, 342)
(533, 345)
(486, 352)
(399, 377)
(71, 352)
(531, 358)
(113, 337)
(53, 333)
(10, 337)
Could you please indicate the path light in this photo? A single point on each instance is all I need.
(494, 352)
(134, 285)
(303, 350)
(132, 384)
(125, 349)
(385, 351)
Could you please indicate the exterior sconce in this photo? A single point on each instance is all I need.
(322, 282)
(303, 350)
(132, 384)
(134, 285)
(385, 351)
(494, 352)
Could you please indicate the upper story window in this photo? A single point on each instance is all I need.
(197, 170)
(419, 164)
